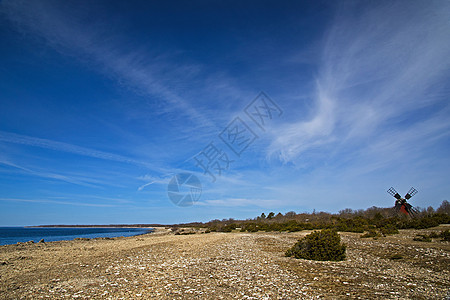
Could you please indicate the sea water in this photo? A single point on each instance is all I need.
(12, 235)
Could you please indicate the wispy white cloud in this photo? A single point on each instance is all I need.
(46, 201)
(380, 69)
(144, 70)
(293, 139)
(83, 181)
(154, 180)
(65, 147)
(88, 197)
(240, 202)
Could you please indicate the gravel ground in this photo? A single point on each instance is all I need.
(224, 266)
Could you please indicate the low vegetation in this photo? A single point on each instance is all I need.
(319, 245)
(373, 222)
(443, 236)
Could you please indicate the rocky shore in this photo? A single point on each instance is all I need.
(162, 265)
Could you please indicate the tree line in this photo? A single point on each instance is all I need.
(374, 220)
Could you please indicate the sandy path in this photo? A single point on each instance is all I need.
(222, 266)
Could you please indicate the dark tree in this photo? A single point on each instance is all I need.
(444, 208)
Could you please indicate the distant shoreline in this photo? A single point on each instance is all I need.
(95, 226)
(17, 235)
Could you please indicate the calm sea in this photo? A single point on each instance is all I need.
(12, 235)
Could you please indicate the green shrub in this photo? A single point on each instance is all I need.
(356, 224)
(445, 235)
(389, 229)
(319, 245)
(422, 238)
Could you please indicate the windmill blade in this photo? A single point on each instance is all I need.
(412, 191)
(394, 193)
(411, 210)
(414, 211)
(405, 208)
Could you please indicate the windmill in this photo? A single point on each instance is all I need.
(401, 204)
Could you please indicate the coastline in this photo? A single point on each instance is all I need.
(81, 227)
(31, 237)
(88, 226)
(223, 266)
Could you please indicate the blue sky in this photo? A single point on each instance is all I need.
(103, 102)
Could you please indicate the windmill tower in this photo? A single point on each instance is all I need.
(401, 204)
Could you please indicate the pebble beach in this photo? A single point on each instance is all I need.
(162, 265)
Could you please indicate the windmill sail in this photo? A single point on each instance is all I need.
(412, 191)
(394, 193)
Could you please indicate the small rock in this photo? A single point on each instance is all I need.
(26, 243)
(42, 241)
